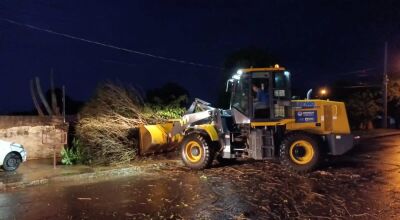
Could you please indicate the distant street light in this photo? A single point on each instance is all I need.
(323, 92)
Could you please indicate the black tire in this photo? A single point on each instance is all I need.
(11, 161)
(300, 152)
(196, 152)
(225, 161)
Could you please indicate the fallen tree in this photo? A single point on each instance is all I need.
(109, 122)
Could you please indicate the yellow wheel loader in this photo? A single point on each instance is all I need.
(263, 122)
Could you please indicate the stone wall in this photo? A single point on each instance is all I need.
(39, 135)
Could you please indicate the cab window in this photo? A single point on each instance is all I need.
(240, 98)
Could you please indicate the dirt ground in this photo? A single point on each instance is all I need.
(364, 184)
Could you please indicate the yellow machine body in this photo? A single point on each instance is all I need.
(297, 130)
(328, 117)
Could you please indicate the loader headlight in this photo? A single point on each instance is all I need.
(287, 74)
(236, 76)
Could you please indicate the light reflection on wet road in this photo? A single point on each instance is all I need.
(362, 185)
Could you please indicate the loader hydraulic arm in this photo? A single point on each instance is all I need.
(199, 104)
(192, 117)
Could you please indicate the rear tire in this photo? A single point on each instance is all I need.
(300, 152)
(11, 162)
(196, 152)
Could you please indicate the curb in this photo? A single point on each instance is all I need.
(120, 172)
(379, 135)
(86, 177)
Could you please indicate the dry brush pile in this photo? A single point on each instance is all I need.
(109, 122)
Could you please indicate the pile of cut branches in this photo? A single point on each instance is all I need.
(109, 122)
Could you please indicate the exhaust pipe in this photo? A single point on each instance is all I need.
(309, 94)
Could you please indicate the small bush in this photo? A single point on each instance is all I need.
(67, 156)
(73, 155)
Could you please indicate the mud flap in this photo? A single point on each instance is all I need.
(339, 143)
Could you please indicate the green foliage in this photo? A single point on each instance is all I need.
(172, 110)
(394, 98)
(165, 112)
(67, 156)
(73, 155)
(363, 108)
(394, 90)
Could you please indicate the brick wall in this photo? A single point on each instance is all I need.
(39, 135)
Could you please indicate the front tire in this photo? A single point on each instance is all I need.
(225, 161)
(300, 152)
(196, 152)
(11, 162)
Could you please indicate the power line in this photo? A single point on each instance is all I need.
(109, 45)
(361, 86)
(365, 70)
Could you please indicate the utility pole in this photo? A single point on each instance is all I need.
(385, 87)
(63, 102)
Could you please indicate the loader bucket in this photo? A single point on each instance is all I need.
(154, 139)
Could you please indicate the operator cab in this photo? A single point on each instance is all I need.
(260, 95)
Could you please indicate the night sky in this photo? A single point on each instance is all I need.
(318, 41)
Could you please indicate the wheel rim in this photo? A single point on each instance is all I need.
(301, 152)
(12, 162)
(193, 151)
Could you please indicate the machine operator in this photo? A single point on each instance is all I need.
(261, 101)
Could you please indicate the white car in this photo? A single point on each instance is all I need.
(11, 155)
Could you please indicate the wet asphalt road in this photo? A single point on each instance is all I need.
(364, 184)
